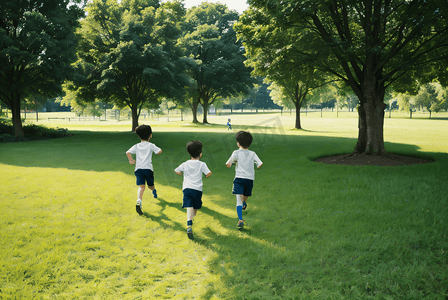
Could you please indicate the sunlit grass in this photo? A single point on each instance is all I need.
(69, 229)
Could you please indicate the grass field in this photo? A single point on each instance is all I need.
(69, 229)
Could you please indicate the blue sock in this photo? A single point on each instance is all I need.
(190, 223)
(239, 211)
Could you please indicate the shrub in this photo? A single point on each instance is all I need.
(31, 131)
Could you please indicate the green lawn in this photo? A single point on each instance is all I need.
(69, 229)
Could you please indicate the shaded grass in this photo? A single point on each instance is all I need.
(313, 231)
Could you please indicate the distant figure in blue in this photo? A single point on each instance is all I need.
(229, 125)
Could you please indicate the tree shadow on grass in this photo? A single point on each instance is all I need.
(105, 151)
(237, 253)
(248, 261)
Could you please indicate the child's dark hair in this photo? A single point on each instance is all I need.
(244, 138)
(144, 132)
(194, 148)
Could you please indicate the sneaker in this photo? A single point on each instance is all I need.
(244, 205)
(154, 192)
(138, 207)
(190, 233)
(240, 224)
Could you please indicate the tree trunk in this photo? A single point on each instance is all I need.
(375, 127)
(134, 117)
(371, 127)
(362, 131)
(194, 110)
(16, 118)
(37, 114)
(204, 116)
(298, 107)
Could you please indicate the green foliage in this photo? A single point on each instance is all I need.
(370, 45)
(129, 55)
(216, 58)
(37, 46)
(260, 96)
(31, 132)
(431, 96)
(272, 52)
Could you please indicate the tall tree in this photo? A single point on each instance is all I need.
(129, 54)
(369, 44)
(273, 53)
(218, 70)
(37, 46)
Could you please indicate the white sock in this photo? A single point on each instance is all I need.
(239, 200)
(139, 190)
(190, 213)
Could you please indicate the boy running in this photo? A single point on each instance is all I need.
(192, 184)
(244, 172)
(143, 162)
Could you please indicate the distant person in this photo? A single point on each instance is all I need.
(143, 162)
(229, 125)
(192, 185)
(244, 172)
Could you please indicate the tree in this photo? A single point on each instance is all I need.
(370, 45)
(129, 55)
(37, 46)
(217, 69)
(406, 102)
(431, 96)
(260, 98)
(272, 53)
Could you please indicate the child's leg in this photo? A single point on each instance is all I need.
(239, 207)
(191, 212)
(154, 191)
(141, 190)
(190, 215)
(138, 207)
(244, 202)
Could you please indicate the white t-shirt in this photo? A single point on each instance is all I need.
(192, 170)
(143, 152)
(245, 160)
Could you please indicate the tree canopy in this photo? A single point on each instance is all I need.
(128, 54)
(370, 45)
(37, 47)
(272, 52)
(217, 67)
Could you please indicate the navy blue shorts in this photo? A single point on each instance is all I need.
(192, 198)
(242, 186)
(144, 176)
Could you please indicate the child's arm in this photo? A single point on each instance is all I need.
(179, 170)
(231, 160)
(258, 162)
(159, 152)
(209, 174)
(131, 159)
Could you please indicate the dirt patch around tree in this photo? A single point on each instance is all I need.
(391, 160)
